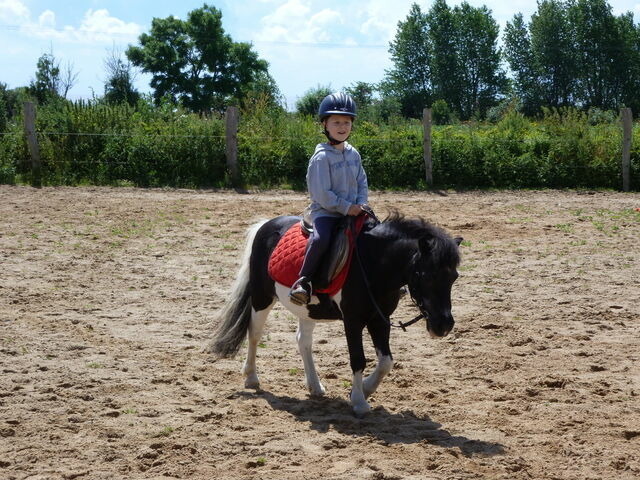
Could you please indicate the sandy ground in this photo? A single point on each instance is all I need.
(107, 297)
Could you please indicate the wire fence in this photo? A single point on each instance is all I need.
(459, 157)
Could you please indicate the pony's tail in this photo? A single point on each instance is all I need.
(234, 318)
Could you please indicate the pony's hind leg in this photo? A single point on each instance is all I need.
(254, 335)
(305, 347)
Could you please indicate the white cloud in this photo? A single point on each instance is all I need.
(13, 12)
(379, 19)
(47, 19)
(295, 22)
(97, 26)
(100, 23)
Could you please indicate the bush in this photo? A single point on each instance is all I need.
(441, 113)
(147, 145)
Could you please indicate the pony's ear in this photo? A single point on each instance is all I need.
(458, 240)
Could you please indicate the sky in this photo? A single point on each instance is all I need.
(308, 43)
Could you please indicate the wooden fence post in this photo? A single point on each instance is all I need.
(32, 142)
(627, 132)
(232, 117)
(428, 165)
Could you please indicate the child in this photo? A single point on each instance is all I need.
(337, 186)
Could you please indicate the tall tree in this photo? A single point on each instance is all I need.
(554, 56)
(119, 85)
(449, 55)
(605, 50)
(443, 35)
(68, 79)
(519, 56)
(627, 72)
(194, 61)
(45, 87)
(479, 58)
(410, 79)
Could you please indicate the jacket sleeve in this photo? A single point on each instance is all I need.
(319, 185)
(363, 186)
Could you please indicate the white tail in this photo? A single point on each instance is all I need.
(234, 318)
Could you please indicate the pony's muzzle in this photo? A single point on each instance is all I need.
(441, 329)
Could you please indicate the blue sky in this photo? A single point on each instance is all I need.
(306, 42)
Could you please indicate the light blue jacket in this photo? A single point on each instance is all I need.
(335, 180)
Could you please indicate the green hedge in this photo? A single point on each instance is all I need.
(89, 143)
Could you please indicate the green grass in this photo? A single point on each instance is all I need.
(165, 432)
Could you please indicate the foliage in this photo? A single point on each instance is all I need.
(448, 54)
(149, 145)
(410, 79)
(119, 86)
(574, 53)
(310, 101)
(194, 62)
(46, 85)
(441, 113)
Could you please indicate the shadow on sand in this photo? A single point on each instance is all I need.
(325, 413)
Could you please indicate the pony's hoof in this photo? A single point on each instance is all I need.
(361, 411)
(252, 382)
(317, 391)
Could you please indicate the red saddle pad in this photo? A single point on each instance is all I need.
(286, 260)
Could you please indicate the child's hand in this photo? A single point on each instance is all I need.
(355, 210)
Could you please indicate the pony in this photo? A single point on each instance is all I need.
(389, 257)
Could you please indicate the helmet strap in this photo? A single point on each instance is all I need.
(333, 141)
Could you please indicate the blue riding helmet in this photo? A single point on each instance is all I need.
(337, 104)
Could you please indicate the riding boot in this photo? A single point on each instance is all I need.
(300, 292)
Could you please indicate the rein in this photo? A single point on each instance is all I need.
(386, 318)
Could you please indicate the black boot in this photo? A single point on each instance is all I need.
(300, 292)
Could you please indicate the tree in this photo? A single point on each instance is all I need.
(606, 53)
(12, 99)
(309, 103)
(519, 55)
(554, 54)
(627, 72)
(4, 116)
(481, 77)
(575, 53)
(194, 62)
(410, 79)
(363, 94)
(46, 85)
(263, 91)
(68, 80)
(118, 87)
(446, 68)
(449, 55)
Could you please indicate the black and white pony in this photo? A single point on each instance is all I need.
(391, 254)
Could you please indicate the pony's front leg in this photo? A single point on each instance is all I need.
(305, 347)
(380, 333)
(371, 383)
(357, 359)
(253, 337)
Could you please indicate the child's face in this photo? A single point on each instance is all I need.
(338, 126)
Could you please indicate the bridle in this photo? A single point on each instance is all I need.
(417, 303)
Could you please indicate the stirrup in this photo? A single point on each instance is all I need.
(300, 292)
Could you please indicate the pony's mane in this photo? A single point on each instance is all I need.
(444, 248)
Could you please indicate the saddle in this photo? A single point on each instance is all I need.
(286, 260)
